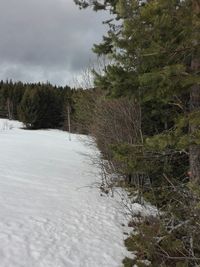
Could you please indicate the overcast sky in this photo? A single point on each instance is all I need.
(44, 40)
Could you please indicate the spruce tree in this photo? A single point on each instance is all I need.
(155, 52)
(40, 107)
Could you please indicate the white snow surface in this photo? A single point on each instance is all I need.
(49, 214)
(9, 124)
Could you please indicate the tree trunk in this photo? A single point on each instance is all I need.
(69, 121)
(194, 150)
(9, 108)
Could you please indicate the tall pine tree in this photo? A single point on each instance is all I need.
(155, 50)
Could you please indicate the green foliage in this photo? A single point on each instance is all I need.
(159, 245)
(131, 157)
(37, 105)
(10, 97)
(128, 262)
(154, 47)
(85, 102)
(40, 108)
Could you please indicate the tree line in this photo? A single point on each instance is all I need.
(40, 105)
(147, 120)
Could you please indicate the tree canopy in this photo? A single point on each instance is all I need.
(154, 47)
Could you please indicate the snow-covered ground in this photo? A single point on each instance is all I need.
(49, 214)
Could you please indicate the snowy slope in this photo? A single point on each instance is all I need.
(49, 216)
(9, 125)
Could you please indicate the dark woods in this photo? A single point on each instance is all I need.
(37, 105)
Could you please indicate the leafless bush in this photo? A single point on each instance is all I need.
(117, 121)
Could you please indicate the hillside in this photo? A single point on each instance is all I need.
(49, 213)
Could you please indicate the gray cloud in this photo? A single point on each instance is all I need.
(46, 39)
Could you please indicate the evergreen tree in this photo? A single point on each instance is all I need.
(43, 102)
(155, 51)
(40, 108)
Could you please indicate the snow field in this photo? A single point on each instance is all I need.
(49, 214)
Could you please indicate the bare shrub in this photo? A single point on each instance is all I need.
(116, 122)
